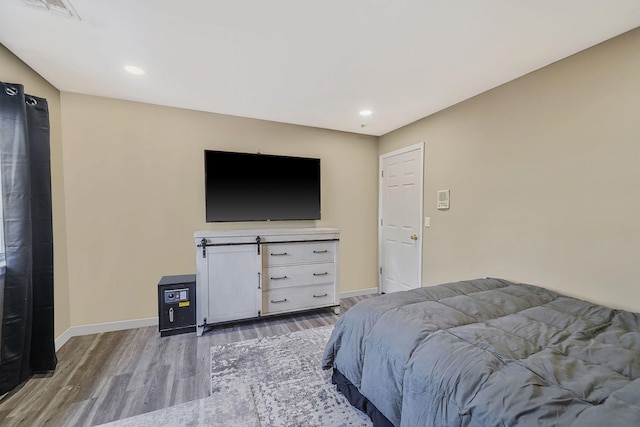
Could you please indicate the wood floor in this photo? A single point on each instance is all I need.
(114, 375)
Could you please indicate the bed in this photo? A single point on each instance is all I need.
(488, 352)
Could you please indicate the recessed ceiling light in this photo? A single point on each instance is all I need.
(134, 70)
(365, 112)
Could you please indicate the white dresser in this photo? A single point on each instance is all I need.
(244, 274)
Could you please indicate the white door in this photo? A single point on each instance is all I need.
(234, 282)
(401, 184)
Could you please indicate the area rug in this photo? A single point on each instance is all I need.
(287, 384)
(273, 381)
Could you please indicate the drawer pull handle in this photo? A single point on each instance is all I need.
(280, 300)
(320, 296)
(321, 274)
(279, 278)
(320, 252)
(279, 254)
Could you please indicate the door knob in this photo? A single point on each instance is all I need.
(414, 237)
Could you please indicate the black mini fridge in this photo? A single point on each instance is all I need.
(177, 304)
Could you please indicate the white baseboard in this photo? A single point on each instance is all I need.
(63, 338)
(96, 328)
(359, 292)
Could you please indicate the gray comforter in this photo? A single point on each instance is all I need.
(489, 352)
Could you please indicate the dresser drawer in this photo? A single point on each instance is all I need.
(291, 299)
(298, 275)
(297, 253)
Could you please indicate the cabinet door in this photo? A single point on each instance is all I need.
(234, 282)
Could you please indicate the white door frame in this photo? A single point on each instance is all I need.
(419, 146)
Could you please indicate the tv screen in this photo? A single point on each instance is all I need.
(260, 187)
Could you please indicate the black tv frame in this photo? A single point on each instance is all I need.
(249, 187)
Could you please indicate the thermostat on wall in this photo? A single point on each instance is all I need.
(443, 199)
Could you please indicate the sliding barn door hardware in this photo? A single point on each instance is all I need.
(204, 243)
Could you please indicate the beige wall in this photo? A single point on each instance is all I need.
(542, 173)
(544, 176)
(13, 70)
(135, 194)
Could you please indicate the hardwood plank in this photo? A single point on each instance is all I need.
(109, 408)
(115, 375)
(77, 414)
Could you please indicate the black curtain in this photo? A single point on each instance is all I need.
(26, 283)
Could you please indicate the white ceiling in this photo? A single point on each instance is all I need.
(314, 63)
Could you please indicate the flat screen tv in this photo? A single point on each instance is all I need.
(260, 187)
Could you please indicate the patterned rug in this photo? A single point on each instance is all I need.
(287, 384)
(273, 381)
